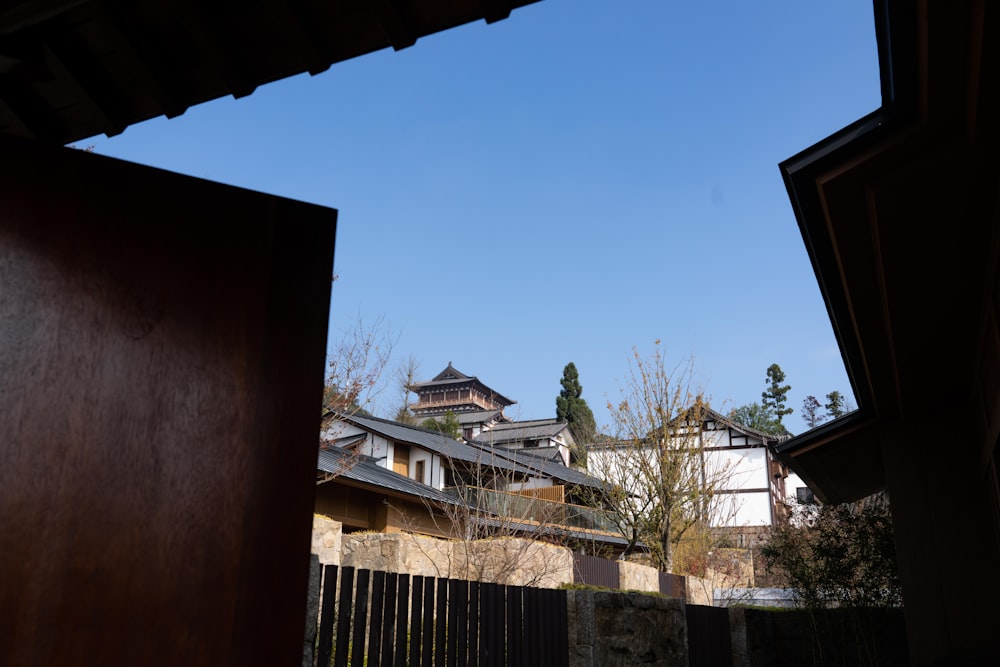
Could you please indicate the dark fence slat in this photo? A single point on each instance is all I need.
(534, 628)
(672, 585)
(388, 619)
(360, 613)
(328, 613)
(596, 571)
(515, 626)
(375, 621)
(416, 618)
(402, 598)
(453, 629)
(499, 626)
(474, 620)
(461, 601)
(427, 648)
(441, 626)
(346, 608)
(539, 625)
(709, 641)
(562, 629)
(490, 647)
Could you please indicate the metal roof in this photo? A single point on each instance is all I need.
(522, 430)
(429, 440)
(545, 465)
(367, 471)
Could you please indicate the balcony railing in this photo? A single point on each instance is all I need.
(526, 508)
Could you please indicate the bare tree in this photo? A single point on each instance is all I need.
(355, 369)
(660, 481)
(495, 534)
(406, 376)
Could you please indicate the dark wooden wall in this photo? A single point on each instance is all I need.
(162, 344)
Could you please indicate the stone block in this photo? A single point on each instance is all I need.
(326, 539)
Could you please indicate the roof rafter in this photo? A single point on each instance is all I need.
(391, 16)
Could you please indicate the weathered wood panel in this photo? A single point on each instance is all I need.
(162, 341)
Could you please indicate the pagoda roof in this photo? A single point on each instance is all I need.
(451, 376)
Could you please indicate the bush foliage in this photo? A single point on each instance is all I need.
(839, 555)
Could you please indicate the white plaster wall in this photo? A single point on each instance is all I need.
(743, 509)
(340, 429)
(745, 468)
(792, 482)
(378, 447)
(417, 454)
(715, 438)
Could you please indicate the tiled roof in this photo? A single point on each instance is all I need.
(523, 430)
(766, 437)
(466, 417)
(366, 470)
(429, 440)
(543, 464)
(709, 415)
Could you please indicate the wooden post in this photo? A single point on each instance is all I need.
(162, 344)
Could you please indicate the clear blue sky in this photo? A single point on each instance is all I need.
(582, 177)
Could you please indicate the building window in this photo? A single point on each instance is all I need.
(418, 472)
(805, 495)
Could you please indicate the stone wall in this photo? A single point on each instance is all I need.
(511, 561)
(612, 628)
(326, 539)
(699, 590)
(635, 577)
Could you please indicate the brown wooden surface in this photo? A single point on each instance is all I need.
(161, 359)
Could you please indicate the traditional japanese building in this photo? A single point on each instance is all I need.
(453, 391)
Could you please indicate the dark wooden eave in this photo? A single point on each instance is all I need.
(898, 214)
(71, 69)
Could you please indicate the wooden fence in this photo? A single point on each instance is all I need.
(596, 571)
(708, 632)
(372, 619)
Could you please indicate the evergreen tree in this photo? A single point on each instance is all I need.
(449, 425)
(758, 417)
(573, 409)
(836, 405)
(775, 396)
(810, 414)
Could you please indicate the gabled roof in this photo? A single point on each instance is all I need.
(451, 373)
(366, 471)
(766, 437)
(708, 414)
(427, 439)
(544, 464)
(466, 418)
(523, 430)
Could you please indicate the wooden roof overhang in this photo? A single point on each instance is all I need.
(71, 69)
(898, 213)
